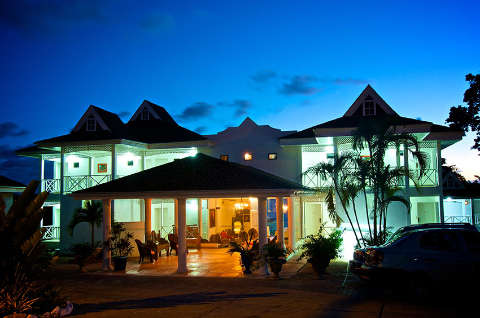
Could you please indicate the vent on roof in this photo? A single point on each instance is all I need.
(91, 123)
(145, 115)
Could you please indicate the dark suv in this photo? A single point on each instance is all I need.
(426, 252)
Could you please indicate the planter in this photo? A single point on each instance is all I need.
(319, 265)
(247, 263)
(119, 263)
(276, 266)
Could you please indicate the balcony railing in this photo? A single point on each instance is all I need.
(76, 183)
(462, 219)
(51, 185)
(428, 179)
(313, 180)
(51, 233)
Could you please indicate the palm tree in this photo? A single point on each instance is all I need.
(337, 173)
(92, 213)
(352, 175)
(377, 136)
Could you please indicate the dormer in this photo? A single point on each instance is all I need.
(149, 111)
(96, 119)
(369, 103)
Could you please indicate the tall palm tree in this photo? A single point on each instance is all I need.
(352, 175)
(377, 136)
(92, 213)
(339, 176)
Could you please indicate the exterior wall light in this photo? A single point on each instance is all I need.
(272, 156)
(224, 157)
(247, 156)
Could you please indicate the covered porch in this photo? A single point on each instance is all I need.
(202, 179)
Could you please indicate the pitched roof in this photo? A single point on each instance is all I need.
(9, 183)
(161, 130)
(158, 130)
(199, 173)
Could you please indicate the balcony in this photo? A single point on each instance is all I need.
(428, 179)
(51, 233)
(462, 219)
(74, 183)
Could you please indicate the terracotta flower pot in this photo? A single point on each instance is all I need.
(276, 266)
(119, 263)
(247, 263)
(319, 265)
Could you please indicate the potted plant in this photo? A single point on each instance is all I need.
(120, 245)
(248, 250)
(320, 249)
(275, 255)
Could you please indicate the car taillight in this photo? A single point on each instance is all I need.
(373, 257)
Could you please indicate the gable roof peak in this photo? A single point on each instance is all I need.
(248, 122)
(368, 91)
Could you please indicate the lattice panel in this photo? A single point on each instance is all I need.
(88, 148)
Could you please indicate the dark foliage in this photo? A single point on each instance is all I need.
(467, 118)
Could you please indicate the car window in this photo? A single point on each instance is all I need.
(472, 241)
(439, 241)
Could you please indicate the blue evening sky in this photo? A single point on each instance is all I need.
(289, 64)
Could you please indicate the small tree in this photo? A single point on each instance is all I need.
(92, 214)
(23, 256)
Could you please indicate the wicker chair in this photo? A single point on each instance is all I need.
(173, 239)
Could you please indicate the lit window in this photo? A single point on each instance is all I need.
(224, 157)
(247, 156)
(369, 108)
(76, 164)
(145, 115)
(272, 156)
(130, 163)
(91, 124)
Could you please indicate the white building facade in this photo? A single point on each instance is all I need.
(102, 148)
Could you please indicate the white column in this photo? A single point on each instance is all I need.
(107, 226)
(262, 225)
(406, 181)
(199, 212)
(42, 173)
(114, 163)
(62, 171)
(280, 229)
(148, 218)
(291, 224)
(440, 180)
(176, 217)
(182, 244)
(142, 162)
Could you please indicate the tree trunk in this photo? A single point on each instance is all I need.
(358, 223)
(92, 226)
(366, 210)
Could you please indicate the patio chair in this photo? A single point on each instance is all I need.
(145, 251)
(173, 239)
(162, 244)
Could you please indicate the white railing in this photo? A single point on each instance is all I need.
(51, 233)
(75, 183)
(462, 219)
(314, 180)
(428, 179)
(51, 185)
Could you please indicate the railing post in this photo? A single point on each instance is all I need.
(62, 165)
(440, 180)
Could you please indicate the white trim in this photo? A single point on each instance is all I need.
(377, 99)
(138, 112)
(204, 194)
(98, 119)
